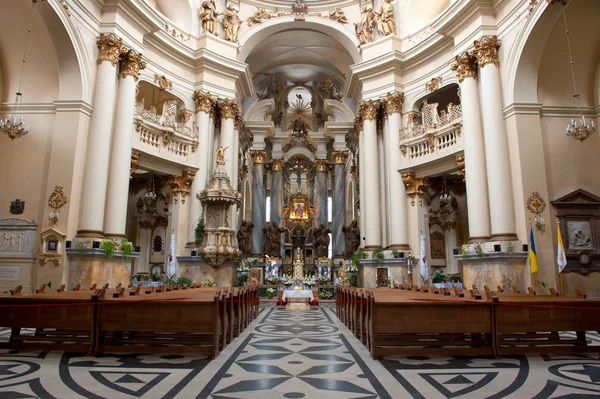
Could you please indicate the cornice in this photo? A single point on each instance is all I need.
(320, 6)
(29, 108)
(522, 109)
(74, 106)
(568, 111)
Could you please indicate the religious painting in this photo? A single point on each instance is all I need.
(382, 277)
(299, 209)
(437, 245)
(256, 275)
(580, 234)
(52, 245)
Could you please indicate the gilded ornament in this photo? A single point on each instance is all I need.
(465, 65)
(415, 187)
(340, 157)
(57, 199)
(328, 89)
(238, 122)
(385, 19)
(167, 136)
(486, 50)
(231, 24)
(321, 165)
(368, 110)
(109, 47)
(299, 10)
(195, 144)
(220, 153)
(258, 156)
(337, 14)
(364, 28)
(537, 205)
(163, 82)
(131, 64)
(135, 157)
(259, 15)
(228, 108)
(393, 103)
(403, 150)
(182, 185)
(208, 16)
(183, 116)
(460, 166)
(433, 85)
(277, 165)
(205, 102)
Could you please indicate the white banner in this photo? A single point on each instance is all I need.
(171, 266)
(423, 260)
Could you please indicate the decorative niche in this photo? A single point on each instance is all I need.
(52, 245)
(579, 216)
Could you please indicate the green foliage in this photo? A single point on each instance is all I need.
(378, 256)
(479, 250)
(199, 231)
(326, 293)
(360, 254)
(181, 281)
(209, 283)
(109, 248)
(455, 278)
(543, 285)
(49, 285)
(439, 277)
(461, 251)
(170, 281)
(126, 247)
(241, 257)
(155, 277)
(395, 253)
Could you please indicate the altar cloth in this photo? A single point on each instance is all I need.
(298, 294)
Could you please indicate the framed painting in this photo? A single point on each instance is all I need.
(299, 209)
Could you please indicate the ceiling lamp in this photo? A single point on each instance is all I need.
(579, 130)
(13, 125)
(151, 192)
(445, 197)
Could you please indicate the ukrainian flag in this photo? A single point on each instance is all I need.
(532, 254)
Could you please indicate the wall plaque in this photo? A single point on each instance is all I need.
(9, 273)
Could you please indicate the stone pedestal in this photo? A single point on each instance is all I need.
(90, 266)
(397, 271)
(199, 271)
(507, 270)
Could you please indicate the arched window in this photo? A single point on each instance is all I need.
(268, 210)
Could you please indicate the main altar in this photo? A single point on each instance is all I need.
(299, 296)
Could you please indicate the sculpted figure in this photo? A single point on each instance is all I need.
(221, 155)
(208, 16)
(273, 89)
(580, 240)
(328, 89)
(231, 24)
(364, 29)
(244, 236)
(352, 238)
(337, 14)
(273, 239)
(385, 18)
(322, 241)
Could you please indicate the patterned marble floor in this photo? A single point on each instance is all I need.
(295, 354)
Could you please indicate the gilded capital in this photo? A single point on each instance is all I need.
(135, 158)
(182, 185)
(359, 123)
(368, 110)
(415, 187)
(465, 65)
(228, 108)
(110, 47)
(340, 157)
(277, 165)
(321, 165)
(131, 65)
(392, 103)
(486, 50)
(238, 122)
(258, 156)
(205, 102)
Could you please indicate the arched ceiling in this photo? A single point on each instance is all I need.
(300, 55)
(416, 14)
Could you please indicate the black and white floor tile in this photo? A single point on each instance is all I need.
(295, 354)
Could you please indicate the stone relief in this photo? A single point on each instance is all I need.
(579, 235)
(12, 241)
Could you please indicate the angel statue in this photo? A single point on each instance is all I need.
(328, 89)
(208, 16)
(364, 29)
(221, 155)
(337, 14)
(231, 24)
(385, 19)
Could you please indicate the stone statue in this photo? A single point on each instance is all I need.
(352, 238)
(328, 89)
(273, 89)
(385, 18)
(208, 16)
(337, 14)
(273, 239)
(221, 155)
(364, 29)
(322, 240)
(231, 24)
(244, 236)
(580, 241)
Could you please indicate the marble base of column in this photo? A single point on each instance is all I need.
(503, 237)
(399, 247)
(473, 240)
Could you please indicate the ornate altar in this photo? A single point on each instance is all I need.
(220, 241)
(297, 219)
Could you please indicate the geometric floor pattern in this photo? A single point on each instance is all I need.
(295, 354)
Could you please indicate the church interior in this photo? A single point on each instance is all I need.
(299, 198)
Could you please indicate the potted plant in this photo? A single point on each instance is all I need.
(395, 253)
(270, 293)
(109, 248)
(126, 248)
(378, 256)
(439, 278)
(199, 231)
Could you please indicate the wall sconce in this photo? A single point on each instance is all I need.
(57, 200)
(537, 205)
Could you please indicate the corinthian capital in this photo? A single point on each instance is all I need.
(340, 157)
(258, 156)
(465, 65)
(205, 102)
(228, 108)
(321, 165)
(110, 47)
(392, 103)
(368, 110)
(486, 50)
(131, 64)
(277, 165)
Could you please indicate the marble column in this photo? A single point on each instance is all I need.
(115, 219)
(205, 104)
(258, 203)
(360, 181)
(229, 110)
(475, 167)
(397, 213)
(321, 191)
(339, 203)
(502, 217)
(370, 179)
(93, 199)
(276, 190)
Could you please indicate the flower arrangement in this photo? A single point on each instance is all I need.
(309, 281)
(270, 293)
(244, 267)
(271, 278)
(326, 293)
(351, 268)
(324, 280)
(287, 280)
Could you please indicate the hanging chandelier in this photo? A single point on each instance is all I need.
(578, 127)
(14, 125)
(445, 197)
(151, 192)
